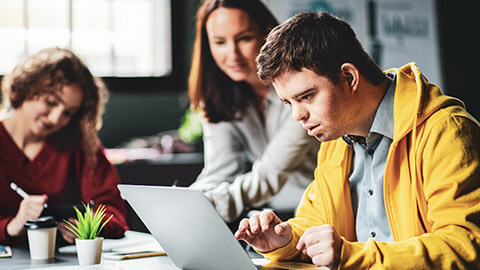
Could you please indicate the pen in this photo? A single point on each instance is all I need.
(19, 191)
(143, 255)
(22, 192)
(132, 255)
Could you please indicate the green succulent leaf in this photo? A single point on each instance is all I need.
(90, 223)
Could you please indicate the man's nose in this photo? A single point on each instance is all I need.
(299, 113)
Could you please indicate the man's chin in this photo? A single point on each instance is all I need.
(324, 138)
(319, 137)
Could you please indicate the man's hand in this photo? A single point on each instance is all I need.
(30, 208)
(323, 244)
(67, 234)
(265, 231)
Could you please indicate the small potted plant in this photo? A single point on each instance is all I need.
(87, 229)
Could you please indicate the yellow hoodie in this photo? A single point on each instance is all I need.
(431, 187)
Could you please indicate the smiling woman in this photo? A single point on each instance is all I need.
(49, 113)
(52, 107)
(223, 80)
(244, 121)
(235, 40)
(42, 80)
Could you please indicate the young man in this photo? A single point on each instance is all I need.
(397, 183)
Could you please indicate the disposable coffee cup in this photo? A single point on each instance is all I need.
(41, 237)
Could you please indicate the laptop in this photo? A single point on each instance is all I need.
(188, 228)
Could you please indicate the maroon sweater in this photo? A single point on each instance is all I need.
(59, 170)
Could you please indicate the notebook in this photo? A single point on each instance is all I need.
(187, 226)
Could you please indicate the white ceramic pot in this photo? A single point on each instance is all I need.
(89, 251)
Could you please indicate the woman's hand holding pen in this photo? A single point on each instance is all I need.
(30, 208)
(265, 231)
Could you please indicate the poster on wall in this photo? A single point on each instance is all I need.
(351, 11)
(405, 31)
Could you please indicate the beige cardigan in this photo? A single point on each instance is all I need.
(279, 150)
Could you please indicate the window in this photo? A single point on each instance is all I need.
(118, 39)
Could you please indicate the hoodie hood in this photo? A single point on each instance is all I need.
(416, 99)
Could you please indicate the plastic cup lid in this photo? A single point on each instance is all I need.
(40, 223)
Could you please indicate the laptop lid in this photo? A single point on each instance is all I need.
(187, 226)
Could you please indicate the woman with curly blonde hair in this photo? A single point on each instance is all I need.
(51, 111)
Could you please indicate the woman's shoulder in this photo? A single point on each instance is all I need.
(222, 129)
(241, 119)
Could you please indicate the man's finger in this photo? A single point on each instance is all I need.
(266, 218)
(280, 228)
(254, 223)
(243, 225)
(239, 235)
(301, 242)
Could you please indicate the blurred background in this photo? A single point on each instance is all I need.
(142, 47)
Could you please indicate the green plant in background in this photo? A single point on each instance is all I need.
(89, 224)
(190, 130)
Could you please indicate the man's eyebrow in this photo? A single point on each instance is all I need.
(304, 92)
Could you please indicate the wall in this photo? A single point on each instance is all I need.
(458, 24)
(134, 115)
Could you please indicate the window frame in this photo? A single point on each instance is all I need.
(176, 79)
(173, 82)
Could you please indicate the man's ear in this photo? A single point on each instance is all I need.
(351, 74)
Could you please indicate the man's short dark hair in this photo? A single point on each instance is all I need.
(316, 41)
